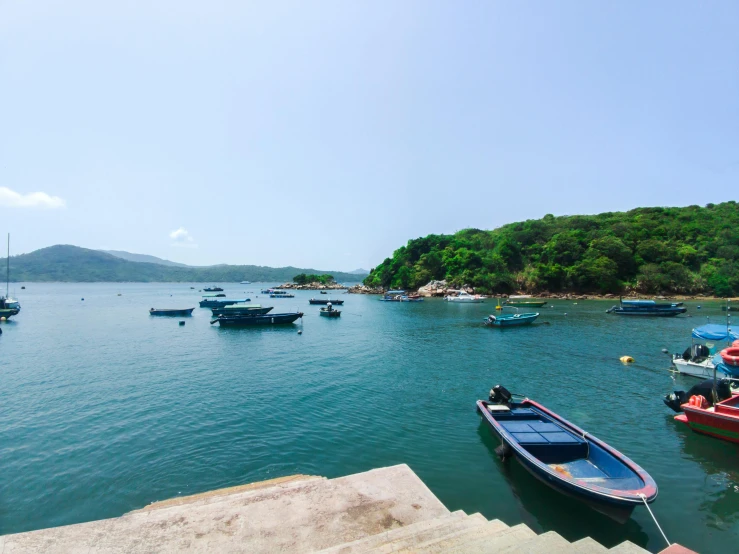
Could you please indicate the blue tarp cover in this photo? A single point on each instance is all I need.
(714, 331)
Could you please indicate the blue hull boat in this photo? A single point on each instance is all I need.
(647, 308)
(219, 303)
(238, 309)
(565, 457)
(255, 320)
(510, 320)
(171, 312)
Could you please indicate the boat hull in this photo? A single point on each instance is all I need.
(241, 311)
(321, 302)
(648, 313)
(533, 304)
(7, 312)
(168, 312)
(257, 320)
(592, 463)
(705, 422)
(516, 320)
(332, 313)
(221, 303)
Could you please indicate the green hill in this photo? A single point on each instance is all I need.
(72, 263)
(676, 250)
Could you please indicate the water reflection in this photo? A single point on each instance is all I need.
(720, 480)
(544, 509)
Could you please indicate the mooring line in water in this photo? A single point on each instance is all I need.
(644, 499)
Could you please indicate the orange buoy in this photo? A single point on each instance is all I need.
(730, 355)
(698, 401)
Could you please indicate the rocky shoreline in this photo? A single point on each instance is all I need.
(312, 286)
(441, 289)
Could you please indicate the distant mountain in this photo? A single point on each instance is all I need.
(145, 258)
(360, 271)
(68, 263)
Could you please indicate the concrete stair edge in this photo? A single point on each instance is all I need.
(588, 545)
(470, 522)
(456, 541)
(259, 487)
(365, 543)
(546, 543)
(628, 547)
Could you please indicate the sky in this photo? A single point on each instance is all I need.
(326, 134)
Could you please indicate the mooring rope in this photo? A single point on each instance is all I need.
(644, 499)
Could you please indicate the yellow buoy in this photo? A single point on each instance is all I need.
(2, 318)
(626, 359)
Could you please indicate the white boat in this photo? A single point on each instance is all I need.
(702, 357)
(245, 283)
(464, 298)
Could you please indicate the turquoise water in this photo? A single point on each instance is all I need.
(104, 409)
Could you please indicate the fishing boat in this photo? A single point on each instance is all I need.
(241, 309)
(464, 297)
(510, 320)
(720, 420)
(647, 308)
(321, 301)
(398, 296)
(565, 457)
(255, 320)
(220, 302)
(171, 311)
(281, 294)
(213, 289)
(329, 311)
(8, 306)
(700, 359)
(523, 301)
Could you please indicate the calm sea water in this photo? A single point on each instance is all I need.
(104, 409)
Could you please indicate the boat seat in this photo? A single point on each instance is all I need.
(548, 442)
(498, 408)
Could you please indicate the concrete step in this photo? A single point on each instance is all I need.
(301, 516)
(493, 532)
(410, 541)
(628, 547)
(588, 546)
(259, 487)
(367, 544)
(546, 543)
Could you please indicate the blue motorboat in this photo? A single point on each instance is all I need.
(255, 320)
(510, 320)
(241, 309)
(220, 302)
(399, 296)
(565, 457)
(171, 311)
(648, 308)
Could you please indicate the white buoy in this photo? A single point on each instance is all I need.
(300, 331)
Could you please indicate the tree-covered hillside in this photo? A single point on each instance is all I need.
(651, 250)
(72, 263)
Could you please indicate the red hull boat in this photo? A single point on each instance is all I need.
(720, 421)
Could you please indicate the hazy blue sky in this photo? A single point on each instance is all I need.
(327, 134)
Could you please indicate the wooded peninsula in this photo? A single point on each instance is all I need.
(690, 250)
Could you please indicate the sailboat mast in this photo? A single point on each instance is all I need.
(7, 278)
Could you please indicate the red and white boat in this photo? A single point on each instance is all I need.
(720, 421)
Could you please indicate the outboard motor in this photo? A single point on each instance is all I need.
(499, 395)
(699, 352)
(704, 389)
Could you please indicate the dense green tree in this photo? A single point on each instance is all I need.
(686, 250)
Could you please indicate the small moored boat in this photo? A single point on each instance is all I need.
(213, 289)
(720, 420)
(321, 301)
(254, 320)
(281, 294)
(565, 457)
(211, 302)
(698, 360)
(524, 301)
(510, 320)
(464, 297)
(171, 311)
(329, 311)
(647, 308)
(241, 309)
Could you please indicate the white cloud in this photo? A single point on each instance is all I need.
(182, 237)
(13, 199)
